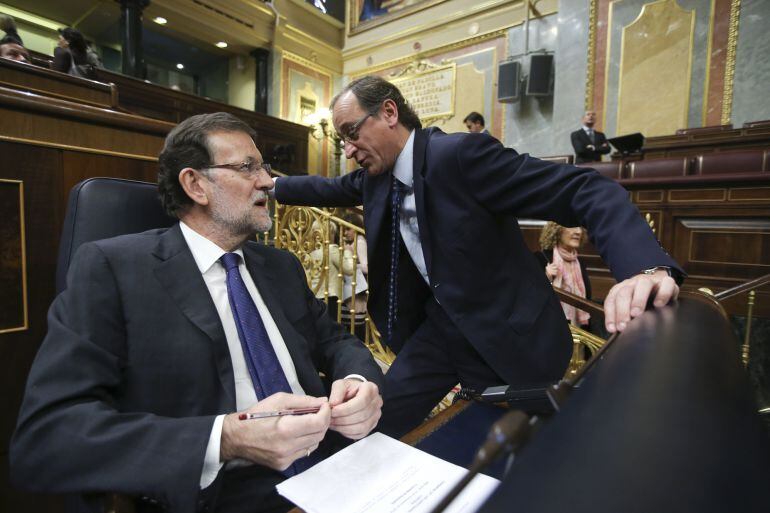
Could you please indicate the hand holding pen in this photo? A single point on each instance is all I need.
(287, 427)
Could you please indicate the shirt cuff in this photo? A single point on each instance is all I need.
(211, 463)
(271, 192)
(356, 376)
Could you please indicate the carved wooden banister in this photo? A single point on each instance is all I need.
(579, 302)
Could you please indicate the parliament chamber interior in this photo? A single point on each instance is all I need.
(662, 98)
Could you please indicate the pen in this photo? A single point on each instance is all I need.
(278, 413)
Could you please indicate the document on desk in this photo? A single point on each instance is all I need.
(382, 475)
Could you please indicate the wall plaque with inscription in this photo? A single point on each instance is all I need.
(429, 89)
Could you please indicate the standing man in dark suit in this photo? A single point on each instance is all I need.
(474, 122)
(589, 144)
(162, 338)
(453, 288)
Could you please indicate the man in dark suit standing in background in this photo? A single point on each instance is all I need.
(589, 144)
(474, 122)
(162, 337)
(454, 289)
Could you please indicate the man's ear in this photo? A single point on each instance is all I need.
(193, 183)
(390, 112)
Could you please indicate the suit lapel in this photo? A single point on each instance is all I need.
(421, 138)
(269, 286)
(179, 274)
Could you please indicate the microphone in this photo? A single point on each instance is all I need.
(506, 435)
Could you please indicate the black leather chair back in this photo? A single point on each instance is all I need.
(99, 208)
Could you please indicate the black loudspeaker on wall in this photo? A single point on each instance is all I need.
(540, 81)
(508, 79)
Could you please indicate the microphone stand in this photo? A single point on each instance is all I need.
(515, 428)
(507, 434)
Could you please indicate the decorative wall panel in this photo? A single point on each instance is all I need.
(303, 85)
(655, 67)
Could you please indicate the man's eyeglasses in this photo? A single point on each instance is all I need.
(351, 134)
(249, 168)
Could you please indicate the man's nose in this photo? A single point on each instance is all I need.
(349, 148)
(264, 181)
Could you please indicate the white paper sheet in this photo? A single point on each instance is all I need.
(381, 475)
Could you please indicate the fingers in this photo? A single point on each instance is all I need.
(340, 390)
(277, 441)
(668, 291)
(284, 401)
(360, 411)
(628, 299)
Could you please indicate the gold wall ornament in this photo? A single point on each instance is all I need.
(655, 70)
(732, 44)
(429, 88)
(591, 64)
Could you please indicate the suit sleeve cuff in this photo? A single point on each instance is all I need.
(211, 463)
(271, 192)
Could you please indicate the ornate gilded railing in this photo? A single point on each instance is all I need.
(318, 238)
(750, 287)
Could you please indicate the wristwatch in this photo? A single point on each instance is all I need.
(653, 270)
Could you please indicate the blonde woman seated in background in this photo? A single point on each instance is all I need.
(317, 278)
(559, 255)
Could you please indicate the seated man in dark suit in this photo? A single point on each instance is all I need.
(589, 144)
(162, 338)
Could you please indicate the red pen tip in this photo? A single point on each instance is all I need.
(242, 416)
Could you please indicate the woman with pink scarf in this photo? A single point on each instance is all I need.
(559, 256)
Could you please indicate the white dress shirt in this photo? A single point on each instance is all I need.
(206, 255)
(408, 226)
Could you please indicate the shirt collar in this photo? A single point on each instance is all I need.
(205, 252)
(404, 168)
(587, 129)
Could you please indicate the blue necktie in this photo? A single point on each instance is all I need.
(264, 368)
(395, 239)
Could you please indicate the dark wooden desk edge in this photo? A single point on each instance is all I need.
(423, 430)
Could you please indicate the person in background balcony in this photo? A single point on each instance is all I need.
(559, 255)
(71, 55)
(11, 45)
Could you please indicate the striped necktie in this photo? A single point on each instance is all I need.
(396, 191)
